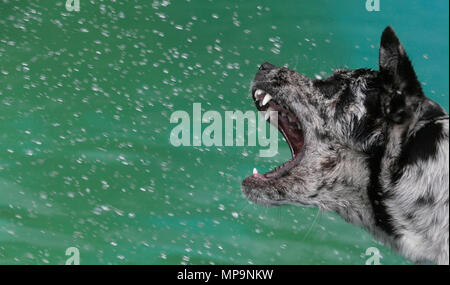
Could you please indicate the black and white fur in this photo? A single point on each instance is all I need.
(376, 151)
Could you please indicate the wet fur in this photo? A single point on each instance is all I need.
(376, 152)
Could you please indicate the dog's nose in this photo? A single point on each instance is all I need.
(267, 66)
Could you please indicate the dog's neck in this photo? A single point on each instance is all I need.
(353, 202)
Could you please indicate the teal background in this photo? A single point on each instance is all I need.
(85, 101)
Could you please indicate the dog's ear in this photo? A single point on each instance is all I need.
(395, 63)
(396, 70)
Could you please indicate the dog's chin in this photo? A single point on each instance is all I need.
(268, 195)
(260, 188)
(265, 195)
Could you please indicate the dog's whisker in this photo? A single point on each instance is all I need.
(312, 224)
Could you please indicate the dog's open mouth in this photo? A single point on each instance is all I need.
(287, 124)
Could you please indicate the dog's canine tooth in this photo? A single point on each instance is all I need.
(267, 114)
(258, 92)
(255, 171)
(266, 100)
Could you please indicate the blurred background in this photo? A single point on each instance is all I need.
(85, 102)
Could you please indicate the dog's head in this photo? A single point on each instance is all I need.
(330, 124)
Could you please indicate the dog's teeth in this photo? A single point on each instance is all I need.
(255, 171)
(258, 92)
(267, 115)
(266, 100)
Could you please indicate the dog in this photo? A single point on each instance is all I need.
(366, 144)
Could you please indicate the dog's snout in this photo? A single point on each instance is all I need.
(267, 66)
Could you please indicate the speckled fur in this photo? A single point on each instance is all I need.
(376, 152)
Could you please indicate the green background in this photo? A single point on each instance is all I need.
(85, 102)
